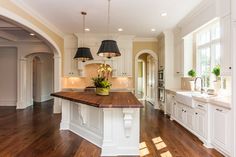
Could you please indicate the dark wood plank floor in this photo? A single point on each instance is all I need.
(34, 132)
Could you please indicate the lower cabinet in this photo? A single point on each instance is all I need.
(200, 126)
(210, 123)
(221, 129)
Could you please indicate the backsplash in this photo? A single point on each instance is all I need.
(90, 72)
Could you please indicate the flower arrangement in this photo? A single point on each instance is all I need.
(101, 81)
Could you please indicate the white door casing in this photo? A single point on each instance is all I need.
(155, 59)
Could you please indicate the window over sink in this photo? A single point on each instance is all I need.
(207, 50)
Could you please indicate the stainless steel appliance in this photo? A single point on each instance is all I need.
(161, 86)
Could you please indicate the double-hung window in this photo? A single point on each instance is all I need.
(208, 51)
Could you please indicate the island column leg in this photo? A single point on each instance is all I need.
(65, 115)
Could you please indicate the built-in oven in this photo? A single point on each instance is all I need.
(161, 86)
(161, 91)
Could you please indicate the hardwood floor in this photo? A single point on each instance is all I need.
(34, 132)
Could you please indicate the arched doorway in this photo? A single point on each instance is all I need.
(146, 77)
(22, 61)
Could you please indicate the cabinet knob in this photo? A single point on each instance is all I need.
(196, 113)
(230, 68)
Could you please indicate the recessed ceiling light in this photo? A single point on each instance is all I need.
(32, 34)
(153, 29)
(87, 29)
(164, 14)
(120, 29)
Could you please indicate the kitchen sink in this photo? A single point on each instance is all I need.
(187, 97)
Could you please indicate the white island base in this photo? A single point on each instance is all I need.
(115, 130)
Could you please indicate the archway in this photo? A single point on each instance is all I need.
(21, 75)
(154, 61)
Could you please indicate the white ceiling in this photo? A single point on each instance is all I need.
(136, 17)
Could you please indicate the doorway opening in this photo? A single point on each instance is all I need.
(40, 76)
(146, 68)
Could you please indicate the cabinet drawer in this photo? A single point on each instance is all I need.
(201, 106)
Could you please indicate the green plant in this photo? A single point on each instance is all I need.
(216, 71)
(192, 73)
(101, 82)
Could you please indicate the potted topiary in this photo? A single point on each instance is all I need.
(217, 82)
(101, 81)
(192, 74)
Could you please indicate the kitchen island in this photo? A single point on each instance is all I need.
(110, 122)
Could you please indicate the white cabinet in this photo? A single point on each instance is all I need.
(178, 52)
(170, 104)
(225, 60)
(70, 65)
(221, 129)
(200, 126)
(178, 59)
(190, 117)
(123, 67)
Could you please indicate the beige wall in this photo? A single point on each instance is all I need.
(7, 4)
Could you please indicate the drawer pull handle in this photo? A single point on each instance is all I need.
(200, 106)
(219, 110)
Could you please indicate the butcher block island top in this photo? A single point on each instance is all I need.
(114, 100)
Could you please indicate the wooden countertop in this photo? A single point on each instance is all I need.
(114, 100)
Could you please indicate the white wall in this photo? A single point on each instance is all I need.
(8, 76)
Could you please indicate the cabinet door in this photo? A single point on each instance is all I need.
(221, 131)
(128, 63)
(180, 110)
(70, 64)
(169, 103)
(190, 118)
(200, 123)
(178, 58)
(225, 60)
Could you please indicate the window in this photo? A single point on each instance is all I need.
(208, 51)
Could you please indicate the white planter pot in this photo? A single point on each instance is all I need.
(192, 86)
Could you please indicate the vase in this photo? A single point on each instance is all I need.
(192, 87)
(102, 91)
(217, 85)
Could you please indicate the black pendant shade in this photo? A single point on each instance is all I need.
(83, 54)
(108, 49)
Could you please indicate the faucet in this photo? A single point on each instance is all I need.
(195, 81)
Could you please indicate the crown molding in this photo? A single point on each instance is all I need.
(36, 15)
(195, 12)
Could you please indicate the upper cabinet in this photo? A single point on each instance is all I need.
(70, 67)
(161, 51)
(178, 52)
(123, 64)
(226, 55)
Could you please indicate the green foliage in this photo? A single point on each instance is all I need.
(216, 71)
(101, 82)
(192, 73)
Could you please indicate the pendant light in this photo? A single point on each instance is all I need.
(83, 53)
(108, 48)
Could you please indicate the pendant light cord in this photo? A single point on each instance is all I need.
(83, 13)
(108, 19)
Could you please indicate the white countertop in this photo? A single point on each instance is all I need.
(221, 101)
